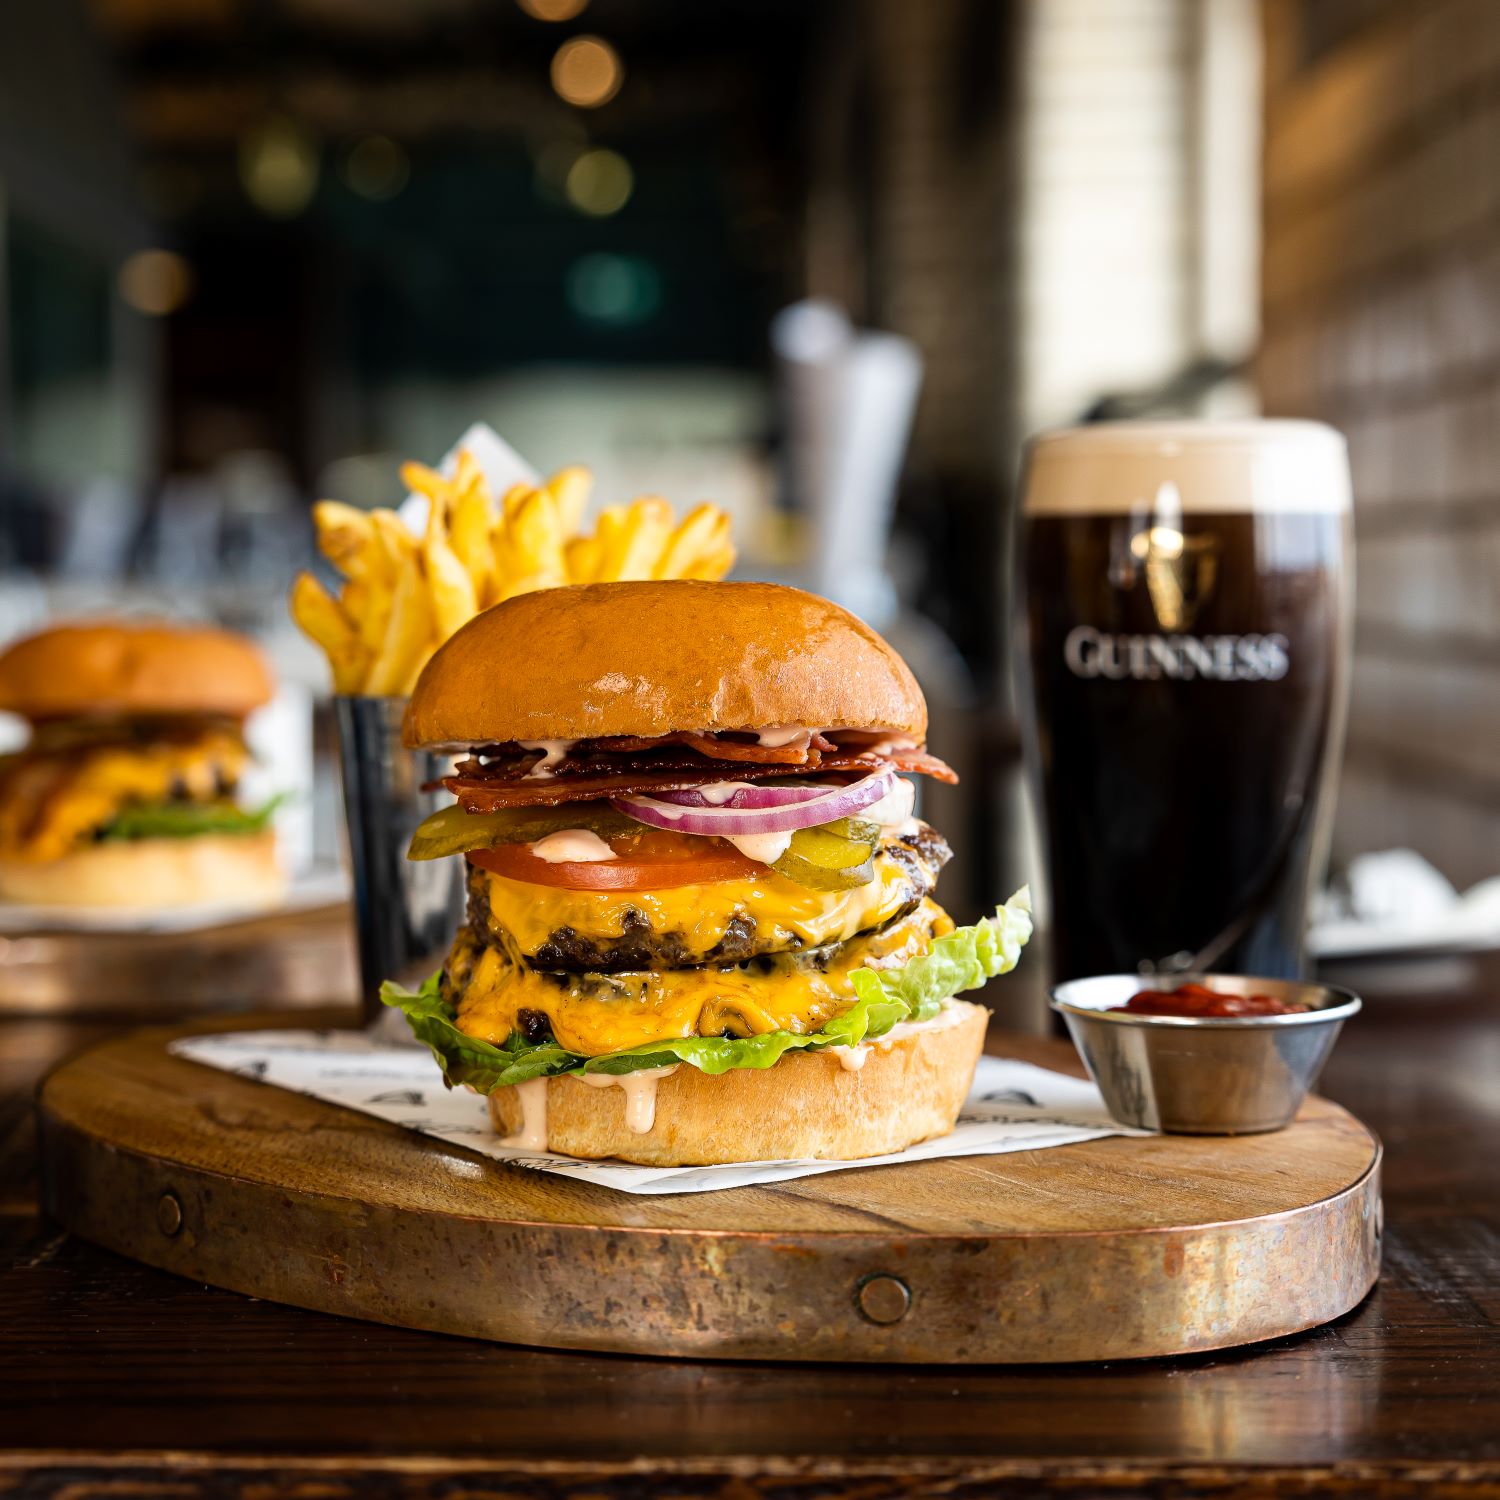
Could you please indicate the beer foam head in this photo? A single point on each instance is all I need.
(1121, 468)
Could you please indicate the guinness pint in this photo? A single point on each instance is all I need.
(1183, 660)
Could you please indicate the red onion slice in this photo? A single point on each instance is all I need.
(748, 796)
(841, 802)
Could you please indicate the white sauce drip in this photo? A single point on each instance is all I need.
(718, 793)
(552, 752)
(893, 809)
(952, 1014)
(785, 734)
(640, 1093)
(533, 1133)
(571, 846)
(890, 746)
(765, 848)
(852, 1059)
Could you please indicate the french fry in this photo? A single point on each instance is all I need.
(696, 538)
(582, 557)
(369, 606)
(325, 620)
(408, 633)
(633, 536)
(436, 488)
(715, 558)
(529, 547)
(398, 543)
(512, 500)
(467, 474)
(469, 537)
(712, 566)
(454, 599)
(570, 489)
(415, 671)
(421, 480)
(347, 538)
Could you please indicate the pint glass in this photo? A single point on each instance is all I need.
(1183, 656)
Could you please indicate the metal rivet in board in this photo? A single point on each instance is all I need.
(169, 1214)
(882, 1298)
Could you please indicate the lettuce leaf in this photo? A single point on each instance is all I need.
(181, 820)
(961, 960)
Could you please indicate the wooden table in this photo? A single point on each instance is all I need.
(116, 1379)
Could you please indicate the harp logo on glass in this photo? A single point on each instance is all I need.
(1180, 573)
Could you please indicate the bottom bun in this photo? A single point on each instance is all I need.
(232, 869)
(909, 1088)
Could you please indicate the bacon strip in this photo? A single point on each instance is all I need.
(486, 789)
(920, 763)
(715, 747)
(766, 755)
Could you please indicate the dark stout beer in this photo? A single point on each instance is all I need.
(1184, 593)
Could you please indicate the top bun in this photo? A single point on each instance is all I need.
(111, 667)
(600, 659)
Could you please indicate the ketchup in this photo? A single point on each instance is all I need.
(1199, 1000)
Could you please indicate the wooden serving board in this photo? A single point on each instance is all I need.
(1110, 1249)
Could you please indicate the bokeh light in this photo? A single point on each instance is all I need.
(587, 71)
(279, 167)
(599, 183)
(377, 168)
(156, 282)
(553, 10)
(616, 290)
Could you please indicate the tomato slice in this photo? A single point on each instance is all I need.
(651, 860)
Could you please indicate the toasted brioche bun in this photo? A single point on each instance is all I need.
(601, 659)
(235, 869)
(111, 667)
(807, 1105)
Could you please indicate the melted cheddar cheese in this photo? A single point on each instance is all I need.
(787, 914)
(593, 1014)
(51, 801)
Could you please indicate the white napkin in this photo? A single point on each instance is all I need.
(1014, 1106)
(1399, 903)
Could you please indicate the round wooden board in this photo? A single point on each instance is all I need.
(1110, 1249)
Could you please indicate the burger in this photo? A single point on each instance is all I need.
(124, 794)
(700, 924)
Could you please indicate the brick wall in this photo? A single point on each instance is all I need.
(1381, 314)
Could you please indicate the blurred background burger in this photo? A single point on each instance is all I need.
(125, 793)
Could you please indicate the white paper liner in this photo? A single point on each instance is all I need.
(1014, 1106)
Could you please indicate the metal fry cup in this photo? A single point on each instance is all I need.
(1202, 1075)
(405, 910)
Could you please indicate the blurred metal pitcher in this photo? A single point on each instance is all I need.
(405, 910)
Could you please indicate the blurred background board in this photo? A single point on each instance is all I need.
(294, 960)
(1111, 1249)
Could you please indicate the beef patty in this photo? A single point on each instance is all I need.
(907, 864)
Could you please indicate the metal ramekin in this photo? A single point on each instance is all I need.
(1202, 1076)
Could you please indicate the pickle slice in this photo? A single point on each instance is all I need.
(454, 831)
(832, 857)
(820, 878)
